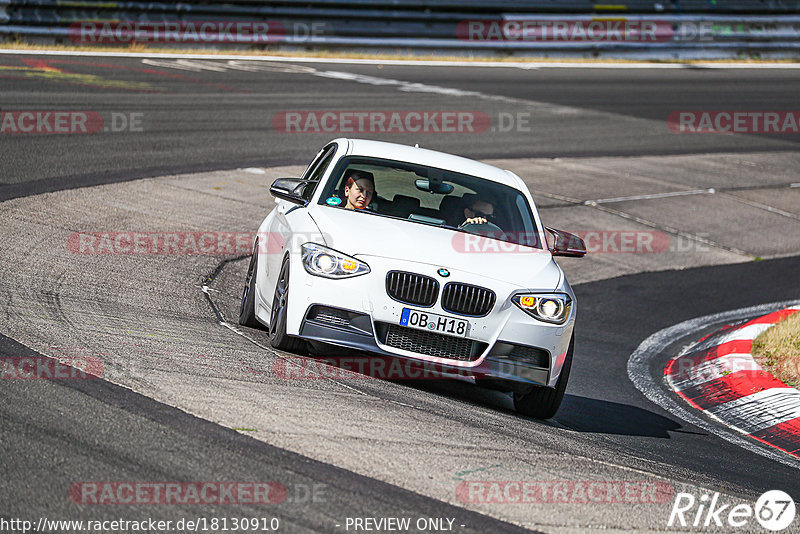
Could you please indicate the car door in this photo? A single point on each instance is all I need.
(281, 234)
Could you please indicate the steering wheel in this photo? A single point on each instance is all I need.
(486, 229)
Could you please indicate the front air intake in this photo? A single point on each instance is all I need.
(466, 299)
(430, 343)
(412, 288)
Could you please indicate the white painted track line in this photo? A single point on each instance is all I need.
(412, 62)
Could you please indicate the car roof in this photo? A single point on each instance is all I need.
(432, 158)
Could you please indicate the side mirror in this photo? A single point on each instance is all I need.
(290, 189)
(566, 244)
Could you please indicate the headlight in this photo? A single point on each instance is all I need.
(548, 307)
(323, 261)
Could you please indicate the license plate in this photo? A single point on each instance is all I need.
(434, 323)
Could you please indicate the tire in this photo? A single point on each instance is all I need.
(543, 402)
(247, 309)
(278, 337)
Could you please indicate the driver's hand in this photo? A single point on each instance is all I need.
(474, 220)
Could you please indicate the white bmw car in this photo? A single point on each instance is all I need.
(409, 253)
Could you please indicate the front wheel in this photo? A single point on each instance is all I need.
(543, 402)
(278, 337)
(247, 309)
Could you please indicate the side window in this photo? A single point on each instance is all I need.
(316, 170)
(530, 233)
(314, 162)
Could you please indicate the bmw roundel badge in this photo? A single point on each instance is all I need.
(443, 272)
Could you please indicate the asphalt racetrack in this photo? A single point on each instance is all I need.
(186, 396)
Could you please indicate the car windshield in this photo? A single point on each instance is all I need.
(431, 196)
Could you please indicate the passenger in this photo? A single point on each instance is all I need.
(479, 212)
(359, 189)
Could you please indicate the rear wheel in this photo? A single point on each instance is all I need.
(278, 337)
(247, 309)
(543, 402)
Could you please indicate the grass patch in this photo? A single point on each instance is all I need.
(778, 350)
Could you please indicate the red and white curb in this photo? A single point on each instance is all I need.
(646, 373)
(719, 376)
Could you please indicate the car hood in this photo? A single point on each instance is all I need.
(361, 234)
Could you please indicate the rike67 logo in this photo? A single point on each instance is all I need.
(774, 510)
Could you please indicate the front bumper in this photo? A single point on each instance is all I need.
(503, 362)
(507, 344)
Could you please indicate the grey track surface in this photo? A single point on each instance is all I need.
(212, 116)
(176, 381)
(92, 431)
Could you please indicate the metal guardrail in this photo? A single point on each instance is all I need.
(508, 25)
(474, 6)
(423, 8)
(700, 28)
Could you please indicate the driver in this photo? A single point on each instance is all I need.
(479, 212)
(359, 189)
